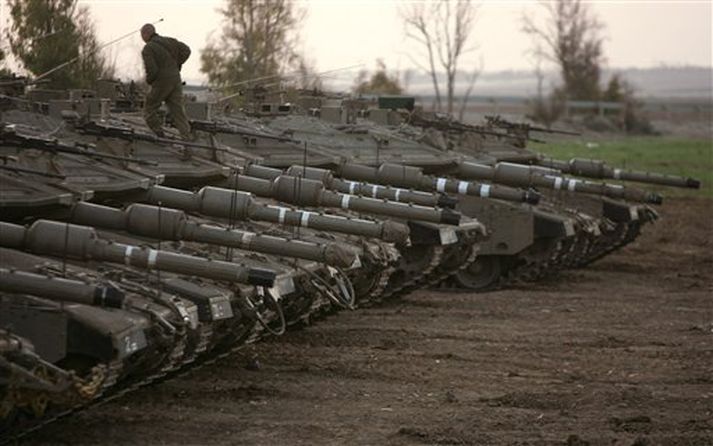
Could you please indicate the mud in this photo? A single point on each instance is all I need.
(619, 353)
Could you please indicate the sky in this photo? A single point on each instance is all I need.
(341, 33)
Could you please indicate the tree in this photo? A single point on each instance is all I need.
(380, 82)
(258, 39)
(47, 33)
(306, 76)
(545, 109)
(633, 119)
(3, 71)
(442, 29)
(570, 37)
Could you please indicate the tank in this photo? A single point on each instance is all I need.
(442, 241)
(579, 222)
(371, 158)
(97, 299)
(128, 259)
(617, 213)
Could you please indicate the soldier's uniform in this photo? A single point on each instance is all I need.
(163, 58)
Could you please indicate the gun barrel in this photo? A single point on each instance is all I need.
(239, 205)
(307, 192)
(599, 169)
(59, 289)
(53, 238)
(31, 171)
(553, 131)
(171, 224)
(413, 177)
(94, 129)
(537, 176)
(215, 127)
(12, 138)
(355, 188)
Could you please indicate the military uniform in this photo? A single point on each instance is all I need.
(163, 58)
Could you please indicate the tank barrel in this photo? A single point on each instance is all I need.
(239, 205)
(59, 289)
(171, 224)
(599, 169)
(537, 176)
(395, 194)
(53, 238)
(308, 192)
(413, 177)
(356, 188)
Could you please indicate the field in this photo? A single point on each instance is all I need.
(619, 353)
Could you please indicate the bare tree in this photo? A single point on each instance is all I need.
(470, 82)
(442, 29)
(545, 110)
(570, 37)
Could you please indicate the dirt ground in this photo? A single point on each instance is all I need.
(620, 353)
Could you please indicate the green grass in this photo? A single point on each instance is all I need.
(676, 156)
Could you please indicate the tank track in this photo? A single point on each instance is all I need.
(522, 268)
(182, 360)
(624, 234)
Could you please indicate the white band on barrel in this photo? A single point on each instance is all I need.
(374, 191)
(127, 255)
(281, 215)
(345, 201)
(352, 187)
(441, 185)
(617, 174)
(398, 194)
(304, 221)
(463, 187)
(247, 238)
(153, 254)
(485, 190)
(572, 184)
(558, 183)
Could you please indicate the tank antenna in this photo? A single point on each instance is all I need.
(71, 61)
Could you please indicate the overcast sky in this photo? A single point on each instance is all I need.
(338, 33)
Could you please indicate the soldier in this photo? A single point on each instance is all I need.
(163, 58)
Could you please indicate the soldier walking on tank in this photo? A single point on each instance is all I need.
(163, 58)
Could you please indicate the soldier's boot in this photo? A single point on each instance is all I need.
(175, 105)
(152, 110)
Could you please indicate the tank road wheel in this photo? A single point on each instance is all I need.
(8, 414)
(416, 262)
(482, 275)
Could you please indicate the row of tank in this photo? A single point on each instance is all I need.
(126, 259)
